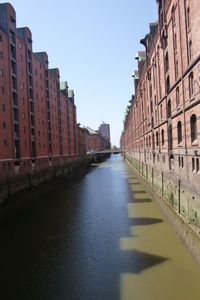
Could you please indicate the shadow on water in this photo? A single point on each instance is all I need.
(145, 221)
(142, 200)
(141, 261)
(64, 244)
(139, 192)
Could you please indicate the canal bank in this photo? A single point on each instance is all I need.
(10, 188)
(101, 236)
(184, 229)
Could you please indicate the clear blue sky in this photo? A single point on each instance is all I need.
(93, 43)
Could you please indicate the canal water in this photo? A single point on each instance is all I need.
(101, 237)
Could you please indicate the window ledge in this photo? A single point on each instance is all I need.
(180, 144)
(195, 143)
(192, 98)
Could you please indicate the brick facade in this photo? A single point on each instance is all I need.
(38, 120)
(162, 125)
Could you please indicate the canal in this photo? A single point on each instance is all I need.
(100, 237)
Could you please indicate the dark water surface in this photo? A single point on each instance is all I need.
(100, 237)
(65, 244)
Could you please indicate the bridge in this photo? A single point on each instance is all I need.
(110, 151)
(99, 156)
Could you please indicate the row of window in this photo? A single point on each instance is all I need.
(193, 133)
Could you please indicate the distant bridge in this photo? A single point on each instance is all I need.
(108, 151)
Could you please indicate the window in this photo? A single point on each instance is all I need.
(169, 110)
(177, 97)
(157, 139)
(1, 55)
(191, 85)
(5, 143)
(2, 90)
(193, 127)
(170, 138)
(168, 85)
(1, 72)
(171, 162)
(163, 136)
(179, 161)
(176, 68)
(197, 165)
(166, 62)
(182, 162)
(190, 51)
(193, 164)
(179, 132)
(3, 107)
(161, 112)
(173, 17)
(188, 18)
(4, 125)
(175, 42)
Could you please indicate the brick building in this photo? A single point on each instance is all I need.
(161, 134)
(38, 118)
(94, 140)
(81, 137)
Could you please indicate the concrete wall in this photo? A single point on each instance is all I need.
(173, 190)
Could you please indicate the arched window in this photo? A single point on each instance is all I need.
(177, 97)
(163, 136)
(190, 51)
(173, 16)
(179, 132)
(193, 127)
(188, 18)
(166, 62)
(168, 85)
(149, 141)
(153, 141)
(169, 109)
(191, 84)
(170, 137)
(176, 68)
(157, 139)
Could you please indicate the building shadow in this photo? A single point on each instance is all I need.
(134, 183)
(142, 200)
(145, 221)
(139, 192)
(138, 261)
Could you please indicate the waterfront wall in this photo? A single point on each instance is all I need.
(175, 191)
(24, 183)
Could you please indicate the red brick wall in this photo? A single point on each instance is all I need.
(6, 124)
(40, 114)
(148, 114)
